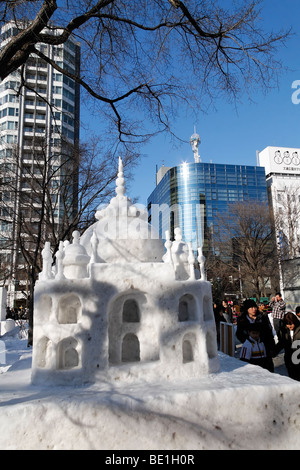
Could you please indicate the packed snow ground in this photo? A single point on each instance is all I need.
(240, 407)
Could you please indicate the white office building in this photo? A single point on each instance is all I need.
(282, 167)
(39, 129)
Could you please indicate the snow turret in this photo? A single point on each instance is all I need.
(75, 259)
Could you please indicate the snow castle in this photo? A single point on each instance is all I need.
(119, 305)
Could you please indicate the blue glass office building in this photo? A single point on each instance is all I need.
(191, 195)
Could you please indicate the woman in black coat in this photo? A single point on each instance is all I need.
(289, 340)
(251, 315)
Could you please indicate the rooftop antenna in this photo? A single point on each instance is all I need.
(195, 141)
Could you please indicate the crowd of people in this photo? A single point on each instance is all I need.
(19, 313)
(264, 330)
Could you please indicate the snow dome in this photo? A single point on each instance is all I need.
(121, 305)
(122, 233)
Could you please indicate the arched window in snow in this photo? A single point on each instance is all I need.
(188, 345)
(125, 321)
(187, 308)
(187, 351)
(131, 312)
(69, 309)
(67, 354)
(130, 348)
(44, 348)
(211, 345)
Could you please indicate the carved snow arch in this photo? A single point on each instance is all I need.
(187, 309)
(130, 348)
(69, 309)
(188, 347)
(131, 311)
(124, 324)
(45, 352)
(67, 353)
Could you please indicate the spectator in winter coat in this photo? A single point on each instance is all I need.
(253, 349)
(249, 316)
(227, 311)
(278, 310)
(289, 340)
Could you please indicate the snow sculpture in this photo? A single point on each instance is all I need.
(120, 305)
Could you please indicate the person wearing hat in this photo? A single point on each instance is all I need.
(253, 350)
(250, 316)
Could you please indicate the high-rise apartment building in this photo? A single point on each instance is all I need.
(39, 136)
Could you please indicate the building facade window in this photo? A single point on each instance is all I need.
(29, 134)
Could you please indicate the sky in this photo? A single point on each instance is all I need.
(233, 134)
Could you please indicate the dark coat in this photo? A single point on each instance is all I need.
(290, 346)
(265, 327)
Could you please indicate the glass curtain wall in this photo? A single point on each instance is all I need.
(191, 195)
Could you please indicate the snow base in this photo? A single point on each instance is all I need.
(240, 407)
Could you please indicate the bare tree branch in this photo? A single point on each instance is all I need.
(131, 52)
(245, 246)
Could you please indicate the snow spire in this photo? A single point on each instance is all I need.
(120, 182)
(47, 263)
(201, 260)
(191, 261)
